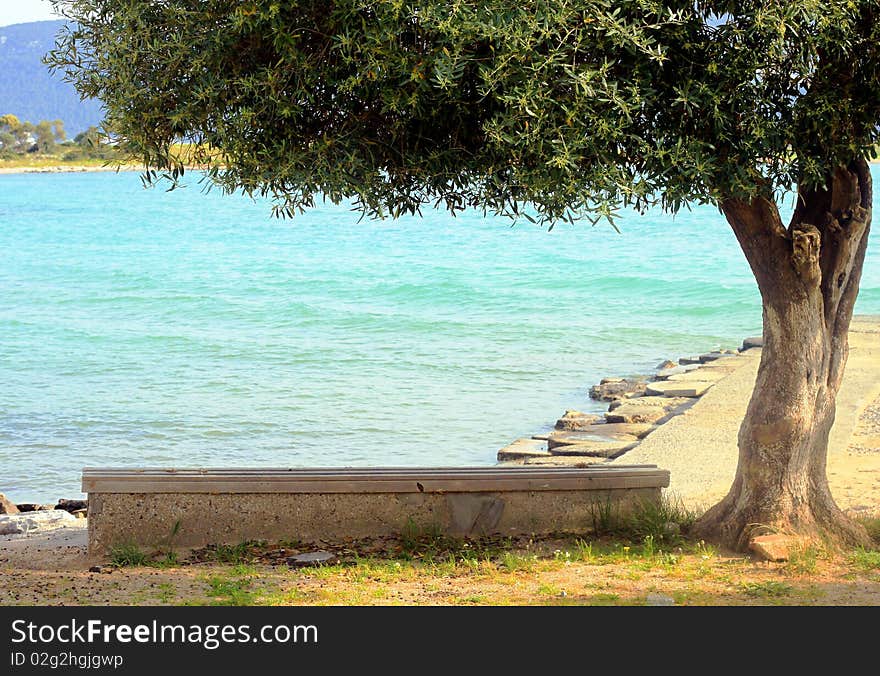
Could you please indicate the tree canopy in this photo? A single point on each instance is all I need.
(568, 107)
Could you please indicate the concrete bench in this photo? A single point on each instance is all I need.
(195, 507)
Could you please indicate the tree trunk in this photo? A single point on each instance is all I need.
(808, 275)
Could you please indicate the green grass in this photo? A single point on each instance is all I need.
(803, 560)
(664, 521)
(516, 562)
(234, 554)
(865, 559)
(550, 590)
(605, 518)
(165, 592)
(230, 591)
(583, 551)
(702, 549)
(168, 560)
(430, 541)
(124, 555)
(431, 545)
(233, 588)
(769, 589)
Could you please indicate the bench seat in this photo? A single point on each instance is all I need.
(196, 507)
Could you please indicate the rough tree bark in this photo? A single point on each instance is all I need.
(808, 275)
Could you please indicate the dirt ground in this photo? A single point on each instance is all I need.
(602, 572)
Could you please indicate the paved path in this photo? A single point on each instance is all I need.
(699, 447)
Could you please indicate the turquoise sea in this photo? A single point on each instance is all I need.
(184, 329)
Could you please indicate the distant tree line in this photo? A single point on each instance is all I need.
(48, 138)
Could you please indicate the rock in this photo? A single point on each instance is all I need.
(7, 506)
(80, 513)
(775, 547)
(686, 361)
(600, 449)
(567, 461)
(619, 431)
(723, 366)
(658, 401)
(320, 558)
(576, 420)
(631, 413)
(714, 356)
(754, 341)
(619, 389)
(678, 388)
(570, 438)
(666, 365)
(30, 522)
(72, 505)
(608, 430)
(646, 410)
(523, 448)
(101, 569)
(659, 600)
(666, 374)
(707, 375)
(33, 507)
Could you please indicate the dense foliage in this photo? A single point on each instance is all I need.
(574, 107)
(18, 138)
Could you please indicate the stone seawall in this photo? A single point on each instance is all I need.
(636, 408)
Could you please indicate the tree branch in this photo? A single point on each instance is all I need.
(762, 236)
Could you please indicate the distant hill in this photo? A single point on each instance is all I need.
(28, 91)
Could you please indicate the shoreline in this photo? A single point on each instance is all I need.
(695, 436)
(701, 449)
(637, 406)
(66, 169)
(79, 169)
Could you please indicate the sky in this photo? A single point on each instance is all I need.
(22, 11)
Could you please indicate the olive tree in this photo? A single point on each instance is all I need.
(554, 110)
